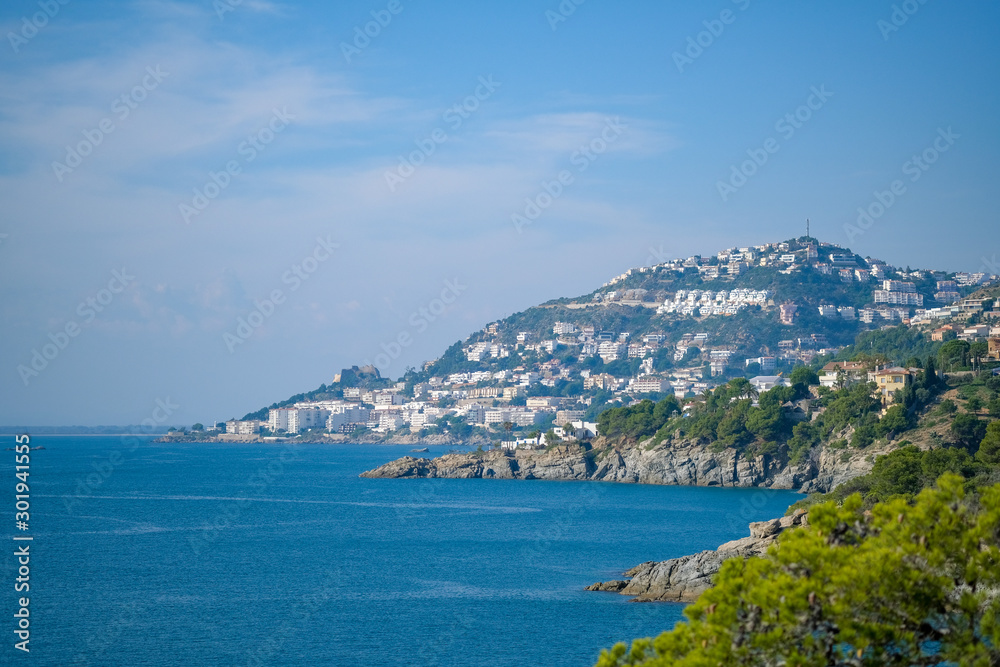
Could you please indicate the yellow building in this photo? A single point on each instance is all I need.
(890, 380)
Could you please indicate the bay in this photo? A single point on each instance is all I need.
(174, 554)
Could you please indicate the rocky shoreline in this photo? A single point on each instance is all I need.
(680, 464)
(684, 579)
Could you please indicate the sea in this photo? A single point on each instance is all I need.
(148, 553)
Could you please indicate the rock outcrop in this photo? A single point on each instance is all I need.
(684, 579)
(682, 464)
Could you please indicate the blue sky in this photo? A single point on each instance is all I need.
(201, 84)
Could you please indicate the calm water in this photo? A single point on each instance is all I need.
(229, 555)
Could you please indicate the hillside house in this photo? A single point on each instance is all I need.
(850, 372)
(890, 380)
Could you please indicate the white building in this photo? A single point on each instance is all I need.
(309, 418)
(280, 419)
(563, 328)
(650, 385)
(249, 427)
(767, 364)
(768, 382)
(515, 416)
(611, 351)
(828, 311)
(347, 416)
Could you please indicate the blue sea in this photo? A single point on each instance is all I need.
(193, 554)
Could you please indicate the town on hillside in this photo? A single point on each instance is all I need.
(679, 328)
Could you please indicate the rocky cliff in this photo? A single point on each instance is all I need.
(685, 464)
(684, 579)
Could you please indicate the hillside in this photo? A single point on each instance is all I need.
(680, 327)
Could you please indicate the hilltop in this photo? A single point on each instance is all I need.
(679, 327)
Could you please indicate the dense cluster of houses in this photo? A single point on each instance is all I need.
(892, 299)
(507, 399)
(707, 302)
(384, 411)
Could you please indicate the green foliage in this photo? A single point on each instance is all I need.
(728, 417)
(623, 367)
(930, 373)
(638, 421)
(896, 420)
(455, 426)
(906, 584)
(864, 435)
(967, 430)
(894, 345)
(954, 355)
(805, 436)
(989, 447)
(978, 350)
(968, 391)
(804, 375)
(855, 406)
(994, 407)
(906, 471)
(689, 356)
(663, 360)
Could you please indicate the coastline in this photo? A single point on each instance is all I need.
(681, 464)
(683, 579)
(328, 439)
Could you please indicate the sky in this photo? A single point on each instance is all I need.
(213, 205)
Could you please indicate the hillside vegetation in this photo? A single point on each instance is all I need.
(898, 567)
(909, 582)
